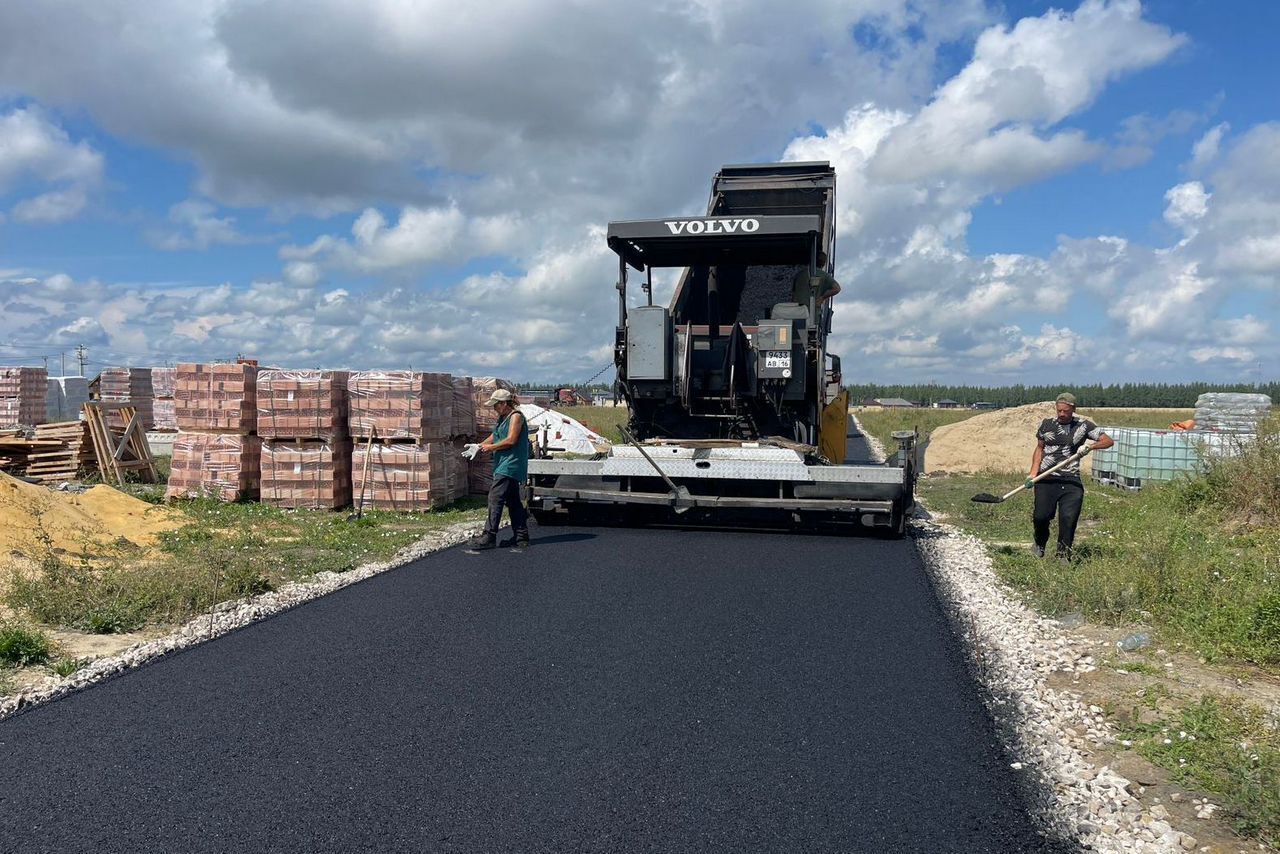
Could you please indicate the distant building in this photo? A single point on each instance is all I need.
(986, 404)
(601, 398)
(946, 404)
(536, 396)
(894, 403)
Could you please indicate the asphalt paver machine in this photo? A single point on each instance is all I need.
(736, 411)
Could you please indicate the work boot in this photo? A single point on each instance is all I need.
(1037, 550)
(517, 544)
(1063, 554)
(480, 543)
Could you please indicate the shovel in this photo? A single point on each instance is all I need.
(988, 498)
(681, 500)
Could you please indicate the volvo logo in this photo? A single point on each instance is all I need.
(713, 226)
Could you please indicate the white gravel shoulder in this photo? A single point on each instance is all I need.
(1014, 650)
(228, 616)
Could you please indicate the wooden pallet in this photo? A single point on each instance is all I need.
(64, 462)
(119, 454)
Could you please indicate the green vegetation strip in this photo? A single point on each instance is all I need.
(228, 552)
(1224, 747)
(605, 420)
(1198, 560)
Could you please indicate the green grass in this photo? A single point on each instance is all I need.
(22, 645)
(228, 552)
(882, 423)
(65, 666)
(1165, 556)
(1226, 748)
(605, 420)
(1197, 560)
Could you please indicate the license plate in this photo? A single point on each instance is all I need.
(778, 359)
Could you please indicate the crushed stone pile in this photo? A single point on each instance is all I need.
(98, 516)
(999, 441)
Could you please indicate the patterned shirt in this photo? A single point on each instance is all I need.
(1063, 440)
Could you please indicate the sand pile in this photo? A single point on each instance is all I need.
(100, 515)
(1000, 441)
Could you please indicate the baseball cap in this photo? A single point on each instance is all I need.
(1067, 397)
(501, 395)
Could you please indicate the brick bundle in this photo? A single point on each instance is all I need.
(131, 386)
(64, 397)
(302, 404)
(481, 388)
(216, 398)
(401, 405)
(313, 475)
(480, 475)
(163, 382)
(23, 395)
(221, 465)
(407, 477)
(163, 410)
(464, 408)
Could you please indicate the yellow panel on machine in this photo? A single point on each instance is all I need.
(833, 429)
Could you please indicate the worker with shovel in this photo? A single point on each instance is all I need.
(1061, 443)
(509, 444)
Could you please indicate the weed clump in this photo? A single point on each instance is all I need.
(1246, 484)
(21, 645)
(1228, 748)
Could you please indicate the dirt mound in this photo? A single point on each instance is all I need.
(99, 516)
(999, 441)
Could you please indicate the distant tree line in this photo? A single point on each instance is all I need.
(1182, 395)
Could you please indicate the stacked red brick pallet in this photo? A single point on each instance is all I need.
(413, 463)
(163, 409)
(23, 393)
(216, 451)
(306, 453)
(481, 389)
(132, 386)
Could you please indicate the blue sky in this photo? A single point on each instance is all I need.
(1029, 193)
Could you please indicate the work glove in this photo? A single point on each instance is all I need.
(1084, 450)
(470, 451)
(1030, 483)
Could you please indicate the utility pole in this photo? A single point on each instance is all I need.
(46, 363)
(82, 355)
(63, 371)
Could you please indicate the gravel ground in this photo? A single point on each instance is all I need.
(226, 617)
(1013, 651)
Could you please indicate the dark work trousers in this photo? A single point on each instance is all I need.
(506, 491)
(1065, 498)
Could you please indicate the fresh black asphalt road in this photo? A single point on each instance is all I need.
(612, 690)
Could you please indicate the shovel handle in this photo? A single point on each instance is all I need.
(1078, 455)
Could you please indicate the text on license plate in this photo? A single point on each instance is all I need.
(778, 359)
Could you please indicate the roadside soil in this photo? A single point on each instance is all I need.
(1002, 440)
(1118, 691)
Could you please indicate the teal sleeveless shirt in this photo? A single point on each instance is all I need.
(514, 461)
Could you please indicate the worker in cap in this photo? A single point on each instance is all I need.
(1062, 492)
(509, 444)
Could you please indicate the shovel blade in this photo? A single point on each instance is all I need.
(987, 498)
(681, 500)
